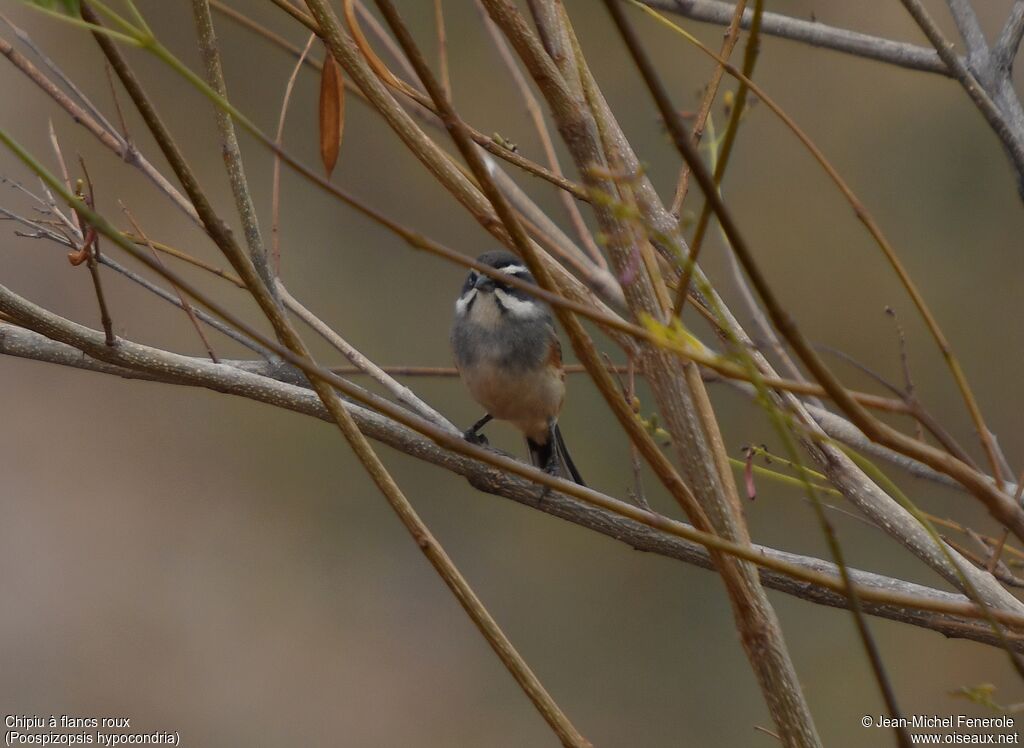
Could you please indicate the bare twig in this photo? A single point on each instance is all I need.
(1008, 130)
(399, 391)
(65, 79)
(732, 35)
(996, 500)
(108, 137)
(90, 252)
(814, 33)
(275, 210)
(1005, 49)
(442, 48)
(298, 353)
(283, 387)
(229, 144)
(181, 297)
(710, 187)
(724, 151)
(537, 117)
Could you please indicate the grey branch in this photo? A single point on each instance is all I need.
(988, 86)
(1009, 38)
(813, 33)
(277, 384)
(984, 73)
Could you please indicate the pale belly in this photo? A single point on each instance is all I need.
(529, 399)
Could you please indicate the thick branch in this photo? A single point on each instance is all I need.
(279, 385)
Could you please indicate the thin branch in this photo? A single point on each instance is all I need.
(995, 500)
(723, 152)
(59, 73)
(271, 383)
(1005, 49)
(537, 118)
(814, 33)
(1011, 138)
(732, 35)
(181, 297)
(91, 248)
(275, 200)
(442, 48)
(298, 353)
(229, 144)
(174, 299)
(110, 138)
(283, 387)
(449, 372)
(400, 392)
(660, 95)
(969, 26)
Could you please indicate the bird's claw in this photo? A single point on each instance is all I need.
(475, 437)
(552, 469)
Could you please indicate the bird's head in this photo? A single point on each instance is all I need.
(488, 295)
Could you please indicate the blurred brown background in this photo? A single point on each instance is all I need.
(213, 566)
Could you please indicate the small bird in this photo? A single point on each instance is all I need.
(508, 355)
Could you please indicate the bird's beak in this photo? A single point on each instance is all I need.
(484, 283)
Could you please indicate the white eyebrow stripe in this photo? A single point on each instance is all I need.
(524, 308)
(464, 301)
(513, 269)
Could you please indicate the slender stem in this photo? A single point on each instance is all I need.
(661, 97)
(540, 126)
(814, 33)
(732, 35)
(108, 137)
(442, 48)
(969, 26)
(297, 353)
(1006, 46)
(1012, 140)
(400, 392)
(229, 144)
(995, 499)
(894, 599)
(275, 201)
(724, 151)
(181, 297)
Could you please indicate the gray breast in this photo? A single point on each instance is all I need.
(485, 334)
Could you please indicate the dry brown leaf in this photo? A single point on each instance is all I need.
(332, 113)
(382, 70)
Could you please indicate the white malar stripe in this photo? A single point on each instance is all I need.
(463, 302)
(513, 269)
(518, 307)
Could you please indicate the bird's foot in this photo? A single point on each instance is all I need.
(475, 437)
(553, 469)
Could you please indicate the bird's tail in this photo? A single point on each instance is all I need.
(554, 454)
